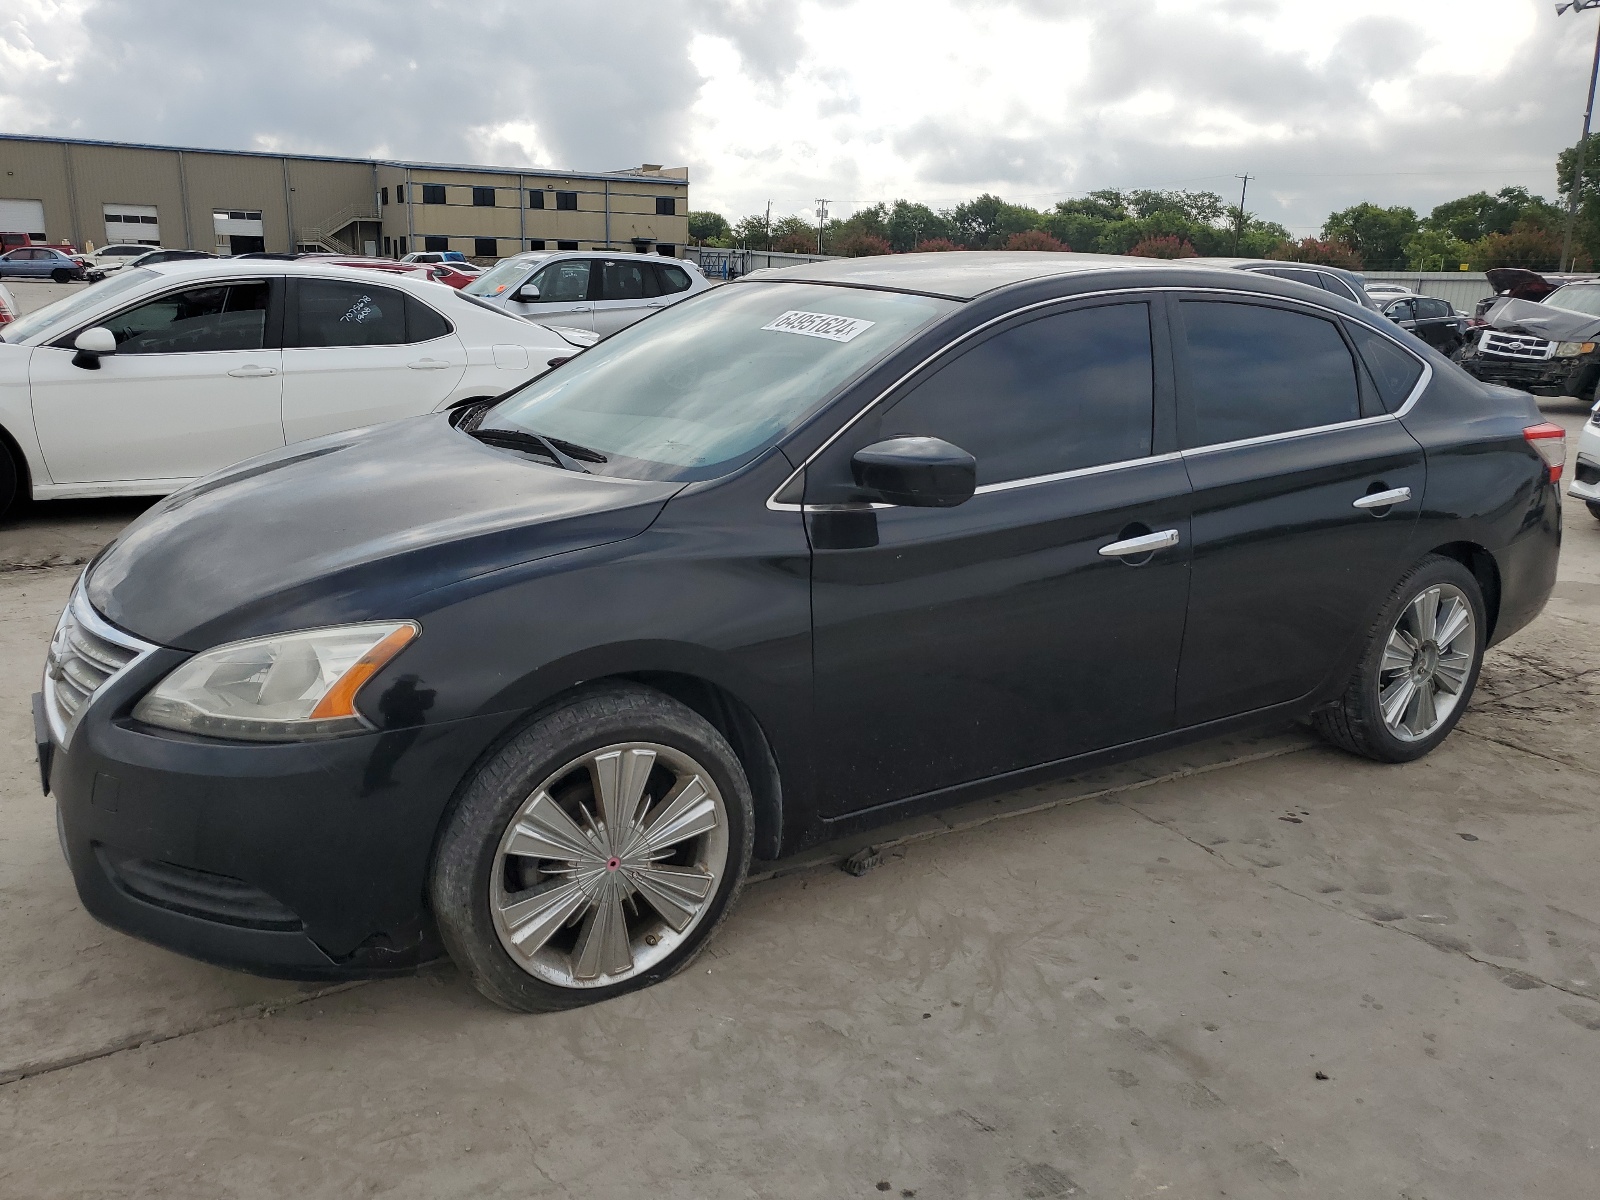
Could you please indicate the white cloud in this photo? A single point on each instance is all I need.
(857, 100)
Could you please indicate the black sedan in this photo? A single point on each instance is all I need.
(1431, 319)
(535, 680)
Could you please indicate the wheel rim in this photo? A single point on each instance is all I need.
(1427, 661)
(609, 865)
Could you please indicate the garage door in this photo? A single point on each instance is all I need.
(132, 223)
(23, 216)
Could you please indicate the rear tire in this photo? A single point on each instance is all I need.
(10, 484)
(1594, 508)
(61, 275)
(539, 898)
(1418, 669)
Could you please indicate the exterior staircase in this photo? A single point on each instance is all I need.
(328, 232)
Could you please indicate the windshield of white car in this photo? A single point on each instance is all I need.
(701, 388)
(1576, 297)
(68, 308)
(506, 273)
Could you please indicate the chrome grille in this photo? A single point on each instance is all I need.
(1522, 346)
(85, 654)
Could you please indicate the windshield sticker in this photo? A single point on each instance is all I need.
(820, 325)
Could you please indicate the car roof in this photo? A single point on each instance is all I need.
(956, 274)
(209, 268)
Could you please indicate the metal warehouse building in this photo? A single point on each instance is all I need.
(232, 202)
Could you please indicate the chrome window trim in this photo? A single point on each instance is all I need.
(83, 612)
(1417, 390)
(1078, 472)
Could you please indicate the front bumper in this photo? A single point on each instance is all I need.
(1552, 377)
(297, 860)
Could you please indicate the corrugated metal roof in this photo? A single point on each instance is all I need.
(477, 168)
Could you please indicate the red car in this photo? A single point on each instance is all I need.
(438, 272)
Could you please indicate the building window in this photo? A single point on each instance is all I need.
(566, 245)
(399, 193)
(483, 197)
(535, 243)
(388, 247)
(383, 194)
(435, 243)
(567, 201)
(666, 206)
(485, 248)
(400, 246)
(433, 193)
(535, 199)
(666, 251)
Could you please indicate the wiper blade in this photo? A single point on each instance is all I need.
(529, 443)
(574, 450)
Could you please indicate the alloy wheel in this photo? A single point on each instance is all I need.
(609, 865)
(1427, 661)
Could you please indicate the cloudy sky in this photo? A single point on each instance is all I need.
(856, 100)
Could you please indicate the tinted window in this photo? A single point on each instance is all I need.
(1297, 274)
(483, 197)
(567, 200)
(1338, 286)
(1393, 370)
(1254, 371)
(336, 313)
(563, 282)
(422, 323)
(433, 193)
(1066, 391)
(224, 317)
(673, 279)
(627, 281)
(1430, 310)
(665, 206)
(1400, 310)
(535, 199)
(485, 248)
(434, 243)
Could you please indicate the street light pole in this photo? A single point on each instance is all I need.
(1578, 6)
(822, 211)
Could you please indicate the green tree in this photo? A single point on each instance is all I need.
(1526, 245)
(708, 227)
(908, 225)
(986, 222)
(1035, 239)
(1469, 218)
(1378, 235)
(1310, 250)
(1436, 250)
(869, 222)
(794, 235)
(751, 233)
(1586, 234)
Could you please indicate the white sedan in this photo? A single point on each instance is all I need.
(161, 375)
(1585, 483)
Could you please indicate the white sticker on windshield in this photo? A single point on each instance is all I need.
(820, 325)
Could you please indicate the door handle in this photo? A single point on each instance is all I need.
(251, 371)
(1144, 544)
(1384, 499)
(428, 364)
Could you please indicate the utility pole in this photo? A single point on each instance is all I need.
(822, 213)
(769, 227)
(1578, 6)
(1238, 229)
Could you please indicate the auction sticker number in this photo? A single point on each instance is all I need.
(820, 325)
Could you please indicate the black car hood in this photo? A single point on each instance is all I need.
(350, 528)
(1542, 320)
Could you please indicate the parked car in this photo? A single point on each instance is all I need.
(164, 374)
(153, 258)
(1586, 477)
(448, 274)
(435, 256)
(1347, 285)
(114, 257)
(1550, 347)
(8, 306)
(603, 292)
(1434, 321)
(819, 549)
(41, 262)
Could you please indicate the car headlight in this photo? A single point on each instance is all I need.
(287, 687)
(1573, 349)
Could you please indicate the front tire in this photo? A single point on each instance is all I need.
(1594, 508)
(10, 483)
(595, 854)
(1418, 669)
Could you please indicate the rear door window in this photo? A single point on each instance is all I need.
(627, 280)
(229, 316)
(1337, 286)
(1394, 372)
(338, 313)
(1059, 393)
(1253, 371)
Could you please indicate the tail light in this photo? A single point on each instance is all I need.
(1550, 440)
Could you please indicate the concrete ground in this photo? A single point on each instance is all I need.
(1254, 968)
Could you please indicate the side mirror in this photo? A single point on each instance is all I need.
(916, 472)
(526, 294)
(91, 345)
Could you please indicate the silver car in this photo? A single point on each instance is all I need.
(594, 290)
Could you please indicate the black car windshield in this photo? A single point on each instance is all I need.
(703, 386)
(1576, 297)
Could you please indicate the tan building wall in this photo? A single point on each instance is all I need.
(350, 205)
